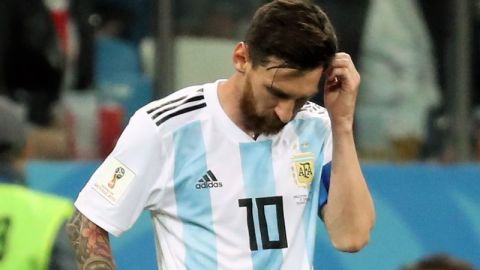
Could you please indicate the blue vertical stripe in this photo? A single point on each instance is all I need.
(194, 205)
(313, 133)
(326, 173)
(271, 211)
(259, 182)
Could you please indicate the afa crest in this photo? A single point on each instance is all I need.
(303, 167)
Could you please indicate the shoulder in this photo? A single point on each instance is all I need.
(313, 110)
(176, 109)
(148, 127)
(23, 195)
(53, 199)
(312, 114)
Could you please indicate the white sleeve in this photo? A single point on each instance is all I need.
(120, 188)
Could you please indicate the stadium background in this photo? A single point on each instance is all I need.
(424, 205)
(421, 210)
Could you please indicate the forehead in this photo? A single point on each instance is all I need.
(289, 80)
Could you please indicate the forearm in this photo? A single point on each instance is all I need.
(91, 244)
(349, 214)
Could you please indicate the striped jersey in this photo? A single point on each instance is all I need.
(219, 199)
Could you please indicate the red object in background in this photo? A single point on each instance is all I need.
(60, 19)
(110, 127)
(71, 144)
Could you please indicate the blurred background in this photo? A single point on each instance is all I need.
(78, 70)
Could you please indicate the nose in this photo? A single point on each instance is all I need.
(284, 110)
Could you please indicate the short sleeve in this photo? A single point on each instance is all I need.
(119, 189)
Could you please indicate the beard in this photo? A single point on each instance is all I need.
(267, 123)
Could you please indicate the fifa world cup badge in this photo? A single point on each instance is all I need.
(303, 168)
(112, 179)
(119, 173)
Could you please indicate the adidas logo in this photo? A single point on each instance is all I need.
(208, 181)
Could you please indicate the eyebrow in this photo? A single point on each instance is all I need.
(281, 93)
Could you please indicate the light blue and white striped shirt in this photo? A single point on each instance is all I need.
(219, 199)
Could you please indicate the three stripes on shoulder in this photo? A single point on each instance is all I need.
(171, 108)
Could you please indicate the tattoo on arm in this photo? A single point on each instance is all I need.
(91, 244)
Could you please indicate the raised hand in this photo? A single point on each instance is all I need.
(341, 89)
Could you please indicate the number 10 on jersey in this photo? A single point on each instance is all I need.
(260, 205)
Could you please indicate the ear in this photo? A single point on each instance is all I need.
(241, 58)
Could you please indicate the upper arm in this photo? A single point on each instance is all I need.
(125, 182)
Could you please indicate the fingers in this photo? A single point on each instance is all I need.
(342, 70)
(342, 58)
(336, 74)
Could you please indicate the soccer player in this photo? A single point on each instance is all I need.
(237, 172)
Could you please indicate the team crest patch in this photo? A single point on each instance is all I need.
(113, 179)
(303, 167)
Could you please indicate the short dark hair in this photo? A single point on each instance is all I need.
(295, 31)
(439, 262)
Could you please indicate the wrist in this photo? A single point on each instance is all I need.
(345, 131)
(342, 127)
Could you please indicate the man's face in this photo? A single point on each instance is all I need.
(273, 94)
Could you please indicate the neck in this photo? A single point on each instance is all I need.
(229, 95)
